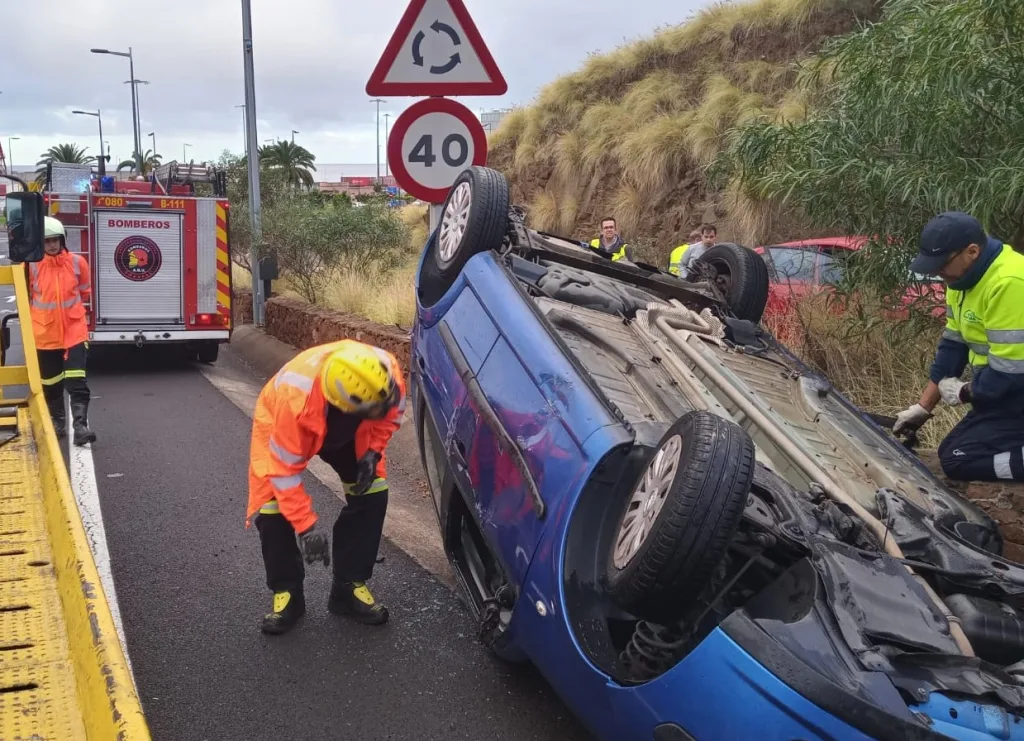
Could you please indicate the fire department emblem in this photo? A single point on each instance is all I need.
(137, 258)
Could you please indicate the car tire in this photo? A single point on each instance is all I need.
(743, 278)
(474, 219)
(208, 352)
(694, 488)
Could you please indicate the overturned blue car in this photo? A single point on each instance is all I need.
(689, 532)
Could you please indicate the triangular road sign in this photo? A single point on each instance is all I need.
(436, 50)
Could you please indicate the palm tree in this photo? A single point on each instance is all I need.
(70, 153)
(150, 161)
(294, 160)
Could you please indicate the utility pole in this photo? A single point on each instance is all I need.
(152, 135)
(251, 149)
(378, 101)
(387, 117)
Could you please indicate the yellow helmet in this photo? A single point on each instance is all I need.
(357, 378)
(52, 228)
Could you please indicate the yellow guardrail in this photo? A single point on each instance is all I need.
(63, 675)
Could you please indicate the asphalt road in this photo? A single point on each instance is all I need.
(171, 460)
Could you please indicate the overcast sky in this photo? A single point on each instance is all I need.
(312, 61)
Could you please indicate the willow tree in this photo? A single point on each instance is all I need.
(913, 115)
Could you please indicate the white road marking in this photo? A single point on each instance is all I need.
(11, 299)
(87, 496)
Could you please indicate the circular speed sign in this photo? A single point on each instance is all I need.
(431, 143)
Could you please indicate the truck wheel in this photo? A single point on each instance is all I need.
(742, 277)
(683, 512)
(208, 352)
(474, 219)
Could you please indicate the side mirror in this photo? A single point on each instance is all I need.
(25, 215)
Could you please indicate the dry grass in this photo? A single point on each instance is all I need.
(633, 131)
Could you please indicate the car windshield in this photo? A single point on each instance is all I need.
(791, 265)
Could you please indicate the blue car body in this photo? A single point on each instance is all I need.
(513, 434)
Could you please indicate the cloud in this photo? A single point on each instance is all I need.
(312, 60)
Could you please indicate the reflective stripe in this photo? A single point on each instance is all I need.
(283, 483)
(1002, 466)
(1005, 336)
(376, 487)
(53, 379)
(76, 264)
(83, 286)
(299, 381)
(45, 305)
(952, 334)
(949, 311)
(70, 302)
(1004, 365)
(270, 508)
(978, 348)
(283, 455)
(74, 373)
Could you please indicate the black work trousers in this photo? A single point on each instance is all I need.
(62, 369)
(354, 540)
(985, 446)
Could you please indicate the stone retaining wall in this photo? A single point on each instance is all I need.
(304, 325)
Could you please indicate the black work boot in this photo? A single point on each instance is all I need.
(57, 413)
(80, 422)
(354, 600)
(288, 608)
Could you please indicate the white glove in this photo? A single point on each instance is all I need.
(950, 388)
(913, 418)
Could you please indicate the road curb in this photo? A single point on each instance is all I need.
(262, 352)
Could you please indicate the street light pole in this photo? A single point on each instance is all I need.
(99, 118)
(152, 134)
(136, 131)
(10, 149)
(378, 101)
(254, 167)
(294, 132)
(184, 157)
(138, 105)
(387, 117)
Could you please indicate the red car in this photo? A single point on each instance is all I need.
(808, 267)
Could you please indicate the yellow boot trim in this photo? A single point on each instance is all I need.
(362, 593)
(281, 600)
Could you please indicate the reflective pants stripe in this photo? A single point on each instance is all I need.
(376, 487)
(270, 508)
(56, 379)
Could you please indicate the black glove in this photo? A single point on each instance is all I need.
(314, 547)
(367, 472)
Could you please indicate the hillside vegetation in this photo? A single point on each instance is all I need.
(631, 133)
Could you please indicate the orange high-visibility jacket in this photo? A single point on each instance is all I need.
(59, 286)
(289, 427)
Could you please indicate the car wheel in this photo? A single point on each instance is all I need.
(474, 219)
(680, 517)
(742, 276)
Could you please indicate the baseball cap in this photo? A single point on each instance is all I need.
(944, 235)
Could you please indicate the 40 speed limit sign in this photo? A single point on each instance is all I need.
(431, 143)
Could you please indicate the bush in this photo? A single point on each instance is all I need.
(914, 115)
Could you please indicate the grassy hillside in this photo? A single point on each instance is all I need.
(632, 132)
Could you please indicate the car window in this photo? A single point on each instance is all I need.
(831, 270)
(792, 265)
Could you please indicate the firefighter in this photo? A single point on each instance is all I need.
(60, 284)
(342, 401)
(984, 328)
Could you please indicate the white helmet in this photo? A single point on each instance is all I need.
(53, 228)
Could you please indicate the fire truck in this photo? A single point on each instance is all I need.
(158, 253)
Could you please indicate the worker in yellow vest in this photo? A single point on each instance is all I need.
(675, 257)
(610, 244)
(984, 329)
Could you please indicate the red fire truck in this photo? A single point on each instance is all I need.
(159, 254)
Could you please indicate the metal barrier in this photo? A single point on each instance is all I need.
(63, 674)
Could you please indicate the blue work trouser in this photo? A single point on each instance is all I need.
(985, 446)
